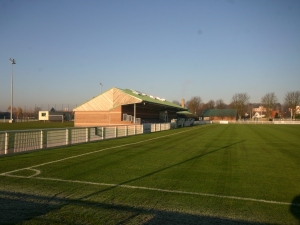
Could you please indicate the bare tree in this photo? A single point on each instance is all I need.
(269, 100)
(210, 104)
(220, 104)
(194, 105)
(14, 110)
(19, 112)
(239, 101)
(292, 100)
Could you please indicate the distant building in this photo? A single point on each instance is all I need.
(55, 116)
(220, 114)
(260, 110)
(5, 115)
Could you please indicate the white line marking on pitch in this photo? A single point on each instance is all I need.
(89, 153)
(37, 172)
(162, 190)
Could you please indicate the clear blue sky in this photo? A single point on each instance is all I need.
(167, 48)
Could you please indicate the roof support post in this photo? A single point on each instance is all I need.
(134, 112)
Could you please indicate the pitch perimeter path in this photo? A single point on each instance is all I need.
(217, 174)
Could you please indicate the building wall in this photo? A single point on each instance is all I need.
(226, 118)
(115, 116)
(99, 118)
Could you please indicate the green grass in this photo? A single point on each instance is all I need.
(214, 174)
(34, 125)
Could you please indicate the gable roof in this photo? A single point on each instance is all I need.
(220, 113)
(115, 97)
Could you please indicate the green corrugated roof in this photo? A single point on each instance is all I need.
(220, 113)
(152, 99)
(186, 114)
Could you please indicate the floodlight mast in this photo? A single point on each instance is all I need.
(12, 80)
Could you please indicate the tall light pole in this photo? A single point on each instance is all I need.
(12, 80)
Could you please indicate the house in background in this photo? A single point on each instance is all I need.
(125, 107)
(53, 115)
(260, 112)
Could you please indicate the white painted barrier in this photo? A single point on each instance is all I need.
(223, 122)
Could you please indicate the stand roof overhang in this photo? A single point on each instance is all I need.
(115, 97)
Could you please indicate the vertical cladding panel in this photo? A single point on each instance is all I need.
(168, 126)
(121, 131)
(109, 132)
(157, 127)
(78, 135)
(139, 129)
(147, 128)
(56, 138)
(25, 141)
(2, 141)
(95, 133)
(131, 130)
(165, 126)
(153, 127)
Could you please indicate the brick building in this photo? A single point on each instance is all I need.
(124, 107)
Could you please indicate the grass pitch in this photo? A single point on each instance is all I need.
(212, 174)
(34, 125)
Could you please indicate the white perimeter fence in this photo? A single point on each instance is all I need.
(18, 120)
(27, 140)
(257, 122)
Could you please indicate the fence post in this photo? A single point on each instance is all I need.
(102, 130)
(67, 136)
(116, 132)
(126, 131)
(41, 144)
(6, 142)
(86, 134)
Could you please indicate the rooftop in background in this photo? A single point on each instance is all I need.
(220, 113)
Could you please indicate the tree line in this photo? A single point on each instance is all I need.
(241, 102)
(18, 112)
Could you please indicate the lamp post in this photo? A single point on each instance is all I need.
(12, 80)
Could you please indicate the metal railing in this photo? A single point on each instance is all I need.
(28, 140)
(261, 122)
(18, 120)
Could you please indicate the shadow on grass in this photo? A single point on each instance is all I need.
(295, 207)
(19, 207)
